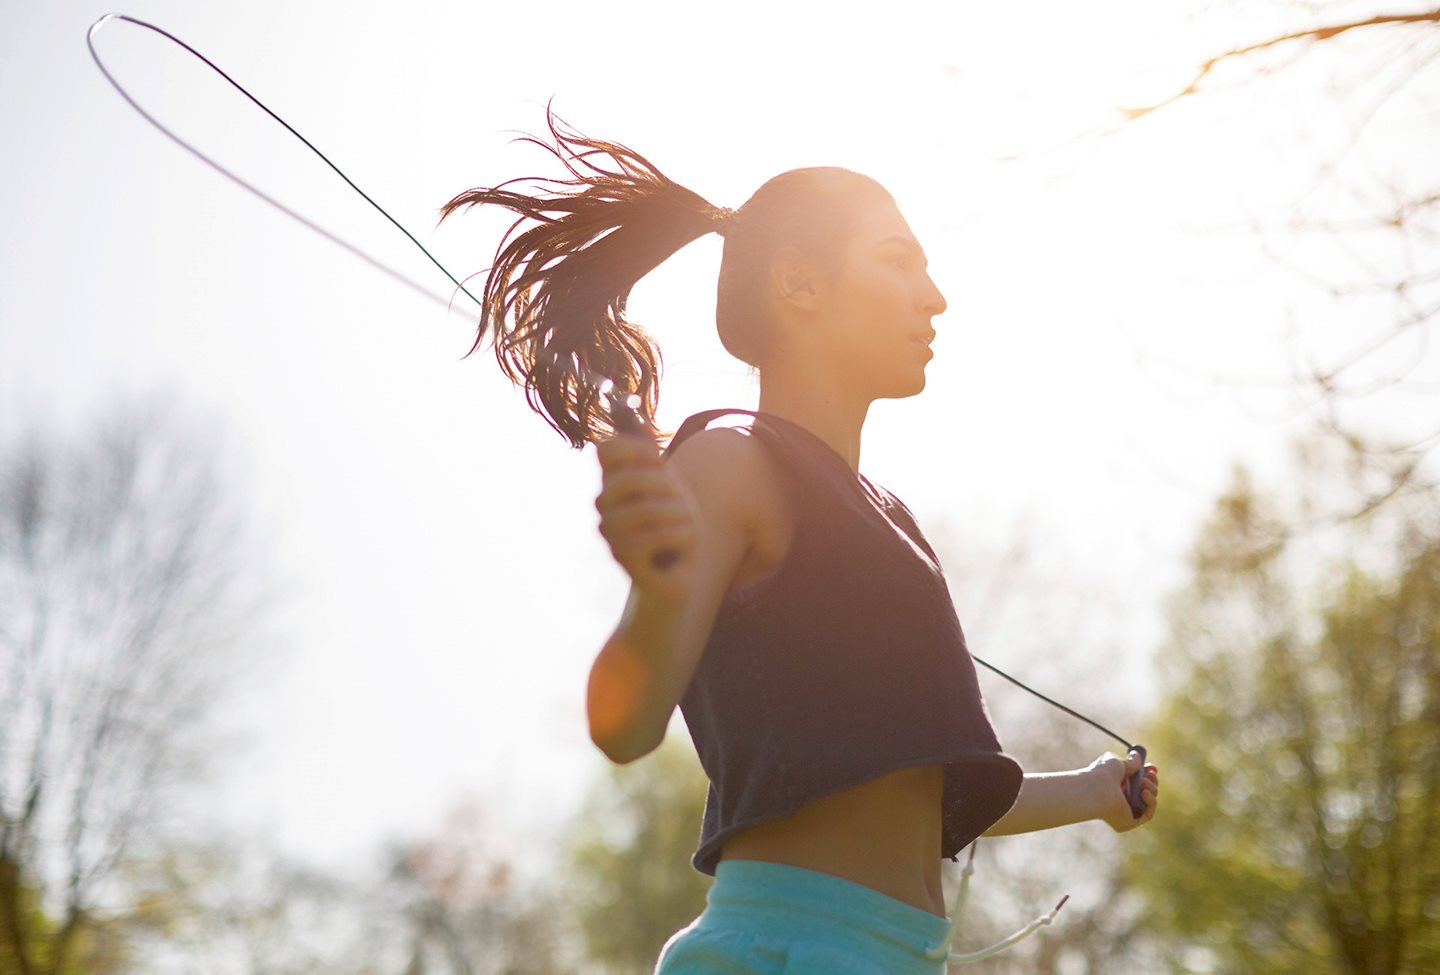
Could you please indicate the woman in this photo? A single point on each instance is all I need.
(790, 607)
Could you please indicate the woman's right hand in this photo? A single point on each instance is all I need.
(645, 509)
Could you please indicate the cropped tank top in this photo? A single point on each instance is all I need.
(844, 663)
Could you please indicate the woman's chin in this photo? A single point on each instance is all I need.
(912, 386)
(920, 377)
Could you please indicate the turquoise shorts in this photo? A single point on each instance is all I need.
(773, 919)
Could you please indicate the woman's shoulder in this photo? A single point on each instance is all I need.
(729, 468)
(729, 454)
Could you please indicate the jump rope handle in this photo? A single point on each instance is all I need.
(1132, 793)
(626, 421)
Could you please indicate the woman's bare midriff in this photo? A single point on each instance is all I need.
(883, 834)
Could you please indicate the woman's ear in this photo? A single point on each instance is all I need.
(793, 279)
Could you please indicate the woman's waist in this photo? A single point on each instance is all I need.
(883, 834)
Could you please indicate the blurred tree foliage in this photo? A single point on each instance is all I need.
(632, 884)
(450, 902)
(127, 591)
(238, 907)
(465, 908)
(98, 946)
(1300, 827)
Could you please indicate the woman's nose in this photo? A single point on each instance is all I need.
(934, 301)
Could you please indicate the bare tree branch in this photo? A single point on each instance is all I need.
(1311, 35)
(124, 583)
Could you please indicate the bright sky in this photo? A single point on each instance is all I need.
(449, 587)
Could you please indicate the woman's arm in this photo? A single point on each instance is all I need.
(645, 666)
(1051, 799)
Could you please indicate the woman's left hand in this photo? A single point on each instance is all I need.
(1111, 775)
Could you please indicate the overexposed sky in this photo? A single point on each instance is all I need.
(450, 589)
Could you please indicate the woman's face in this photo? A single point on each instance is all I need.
(878, 305)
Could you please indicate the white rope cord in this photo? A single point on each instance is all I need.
(942, 950)
(1014, 939)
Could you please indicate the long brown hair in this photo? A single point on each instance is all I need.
(555, 295)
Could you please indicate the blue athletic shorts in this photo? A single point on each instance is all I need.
(765, 918)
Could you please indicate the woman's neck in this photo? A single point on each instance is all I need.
(820, 407)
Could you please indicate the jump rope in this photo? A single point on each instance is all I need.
(622, 412)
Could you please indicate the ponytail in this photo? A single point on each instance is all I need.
(554, 299)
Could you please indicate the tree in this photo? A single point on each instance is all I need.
(1303, 779)
(125, 588)
(1361, 226)
(449, 903)
(227, 905)
(466, 910)
(633, 885)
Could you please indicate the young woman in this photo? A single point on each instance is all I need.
(790, 607)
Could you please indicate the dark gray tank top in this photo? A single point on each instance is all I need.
(843, 664)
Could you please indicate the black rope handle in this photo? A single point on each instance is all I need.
(629, 423)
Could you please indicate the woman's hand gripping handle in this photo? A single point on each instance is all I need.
(646, 514)
(1129, 789)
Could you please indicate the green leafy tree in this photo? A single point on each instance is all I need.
(1301, 826)
(632, 882)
